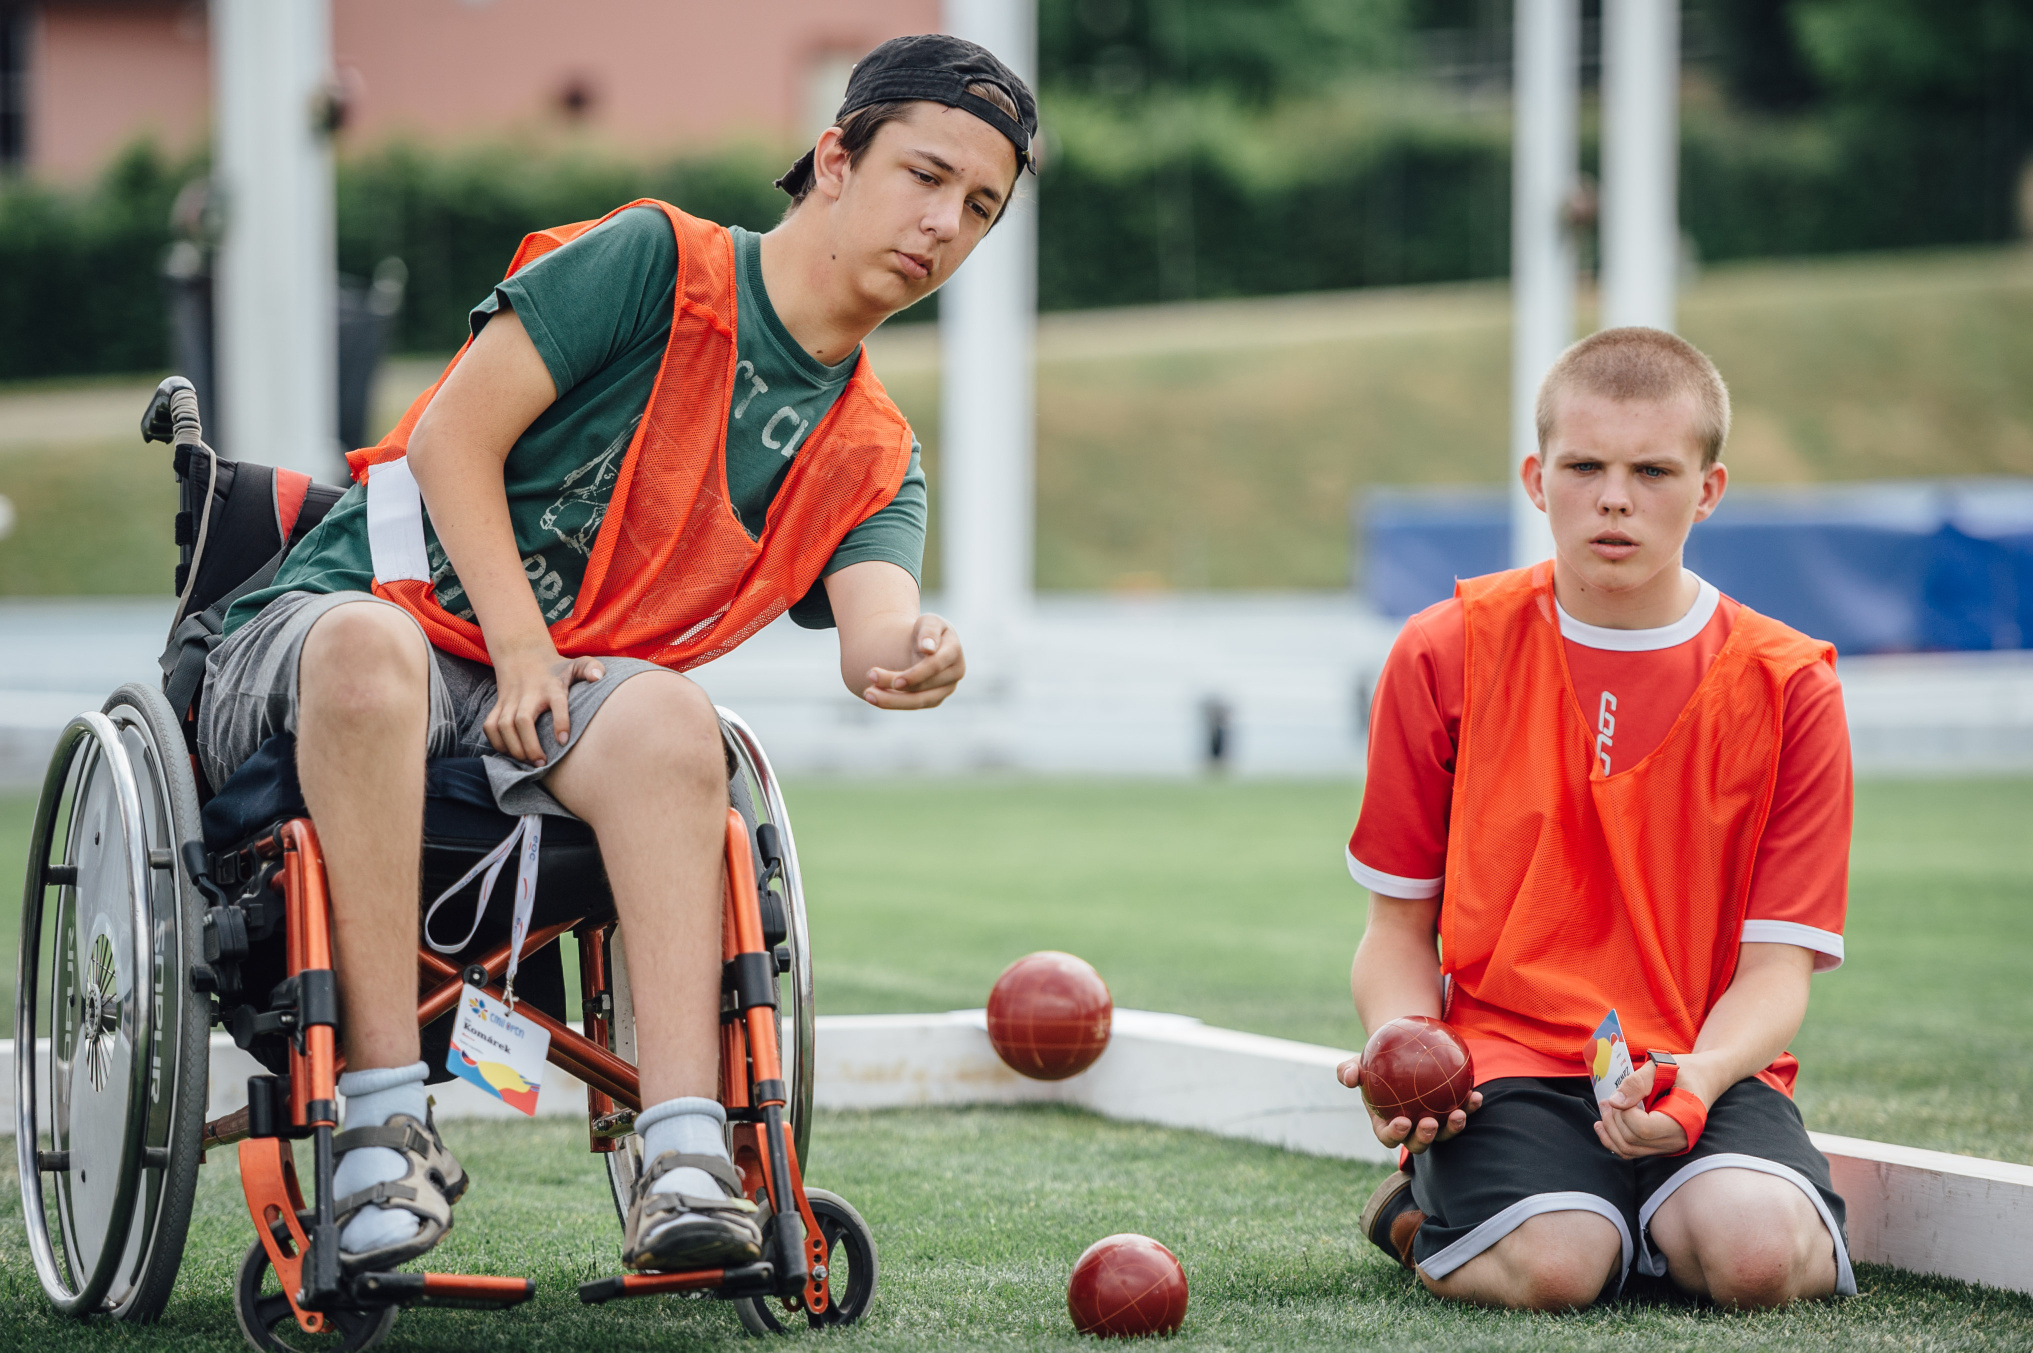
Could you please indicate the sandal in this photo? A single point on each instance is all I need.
(681, 1231)
(434, 1182)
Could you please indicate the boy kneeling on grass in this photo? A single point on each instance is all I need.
(1600, 784)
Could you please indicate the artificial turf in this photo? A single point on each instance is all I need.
(1230, 901)
(980, 1214)
(1226, 900)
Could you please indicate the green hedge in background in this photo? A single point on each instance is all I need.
(80, 287)
(1177, 196)
(456, 218)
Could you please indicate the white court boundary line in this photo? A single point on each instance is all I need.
(1926, 1211)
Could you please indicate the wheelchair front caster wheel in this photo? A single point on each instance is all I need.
(269, 1323)
(851, 1269)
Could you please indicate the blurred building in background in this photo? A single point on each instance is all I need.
(88, 77)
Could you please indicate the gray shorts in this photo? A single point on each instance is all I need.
(251, 695)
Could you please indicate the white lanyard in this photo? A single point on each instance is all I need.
(530, 832)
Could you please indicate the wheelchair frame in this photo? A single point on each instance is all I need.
(306, 1260)
(156, 907)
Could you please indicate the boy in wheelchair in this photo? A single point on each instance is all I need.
(661, 435)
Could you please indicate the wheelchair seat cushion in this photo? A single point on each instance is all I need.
(458, 802)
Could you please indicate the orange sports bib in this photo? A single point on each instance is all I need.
(673, 576)
(1568, 893)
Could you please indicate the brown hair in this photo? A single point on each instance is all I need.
(858, 129)
(1637, 363)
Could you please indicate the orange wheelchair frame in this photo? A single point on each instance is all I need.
(302, 1242)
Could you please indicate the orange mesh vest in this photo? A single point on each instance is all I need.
(674, 577)
(1568, 893)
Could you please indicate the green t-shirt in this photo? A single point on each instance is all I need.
(598, 311)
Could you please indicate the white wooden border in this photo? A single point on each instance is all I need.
(1168, 1069)
(1932, 1212)
(1927, 1211)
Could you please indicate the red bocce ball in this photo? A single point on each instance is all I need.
(1127, 1284)
(1416, 1067)
(1048, 1016)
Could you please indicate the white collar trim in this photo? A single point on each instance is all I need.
(1645, 641)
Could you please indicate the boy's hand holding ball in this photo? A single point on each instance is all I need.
(1417, 1081)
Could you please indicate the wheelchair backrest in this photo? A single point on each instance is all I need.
(233, 517)
(235, 523)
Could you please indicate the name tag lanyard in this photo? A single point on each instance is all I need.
(529, 833)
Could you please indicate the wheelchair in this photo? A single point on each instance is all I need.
(156, 908)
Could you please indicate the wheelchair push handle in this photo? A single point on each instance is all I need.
(172, 415)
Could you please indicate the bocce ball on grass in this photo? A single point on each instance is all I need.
(1416, 1067)
(1049, 1016)
(1126, 1285)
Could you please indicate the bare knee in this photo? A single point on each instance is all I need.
(665, 726)
(1560, 1281)
(1759, 1271)
(1745, 1238)
(362, 662)
(1557, 1261)
(1792, 1256)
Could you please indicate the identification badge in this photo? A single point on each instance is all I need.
(498, 1050)
(1609, 1057)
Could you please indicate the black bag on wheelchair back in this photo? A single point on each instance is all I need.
(235, 524)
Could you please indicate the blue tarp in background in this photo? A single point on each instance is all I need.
(1902, 567)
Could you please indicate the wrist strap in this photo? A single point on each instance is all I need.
(1665, 1072)
(1685, 1108)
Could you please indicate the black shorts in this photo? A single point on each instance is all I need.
(1531, 1148)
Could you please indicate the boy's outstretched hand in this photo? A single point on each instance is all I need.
(891, 655)
(1401, 1131)
(928, 681)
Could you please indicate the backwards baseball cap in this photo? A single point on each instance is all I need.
(936, 68)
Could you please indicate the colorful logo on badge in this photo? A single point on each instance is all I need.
(497, 1078)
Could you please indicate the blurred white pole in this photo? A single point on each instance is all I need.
(1545, 168)
(1640, 161)
(987, 418)
(277, 297)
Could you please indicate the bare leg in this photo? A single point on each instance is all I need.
(650, 776)
(363, 715)
(1556, 1261)
(1745, 1239)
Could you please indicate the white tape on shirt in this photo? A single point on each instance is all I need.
(395, 524)
(530, 833)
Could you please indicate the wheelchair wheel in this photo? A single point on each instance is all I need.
(268, 1322)
(755, 781)
(851, 1271)
(752, 789)
(107, 1128)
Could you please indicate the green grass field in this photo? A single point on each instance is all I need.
(1220, 444)
(1225, 900)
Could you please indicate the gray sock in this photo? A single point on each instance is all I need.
(372, 1098)
(692, 1126)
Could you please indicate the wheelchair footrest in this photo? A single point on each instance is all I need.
(476, 1291)
(750, 1280)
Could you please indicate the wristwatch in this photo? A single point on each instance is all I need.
(1666, 1071)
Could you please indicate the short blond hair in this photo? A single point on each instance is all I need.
(1637, 363)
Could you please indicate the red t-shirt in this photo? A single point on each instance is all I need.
(1632, 685)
